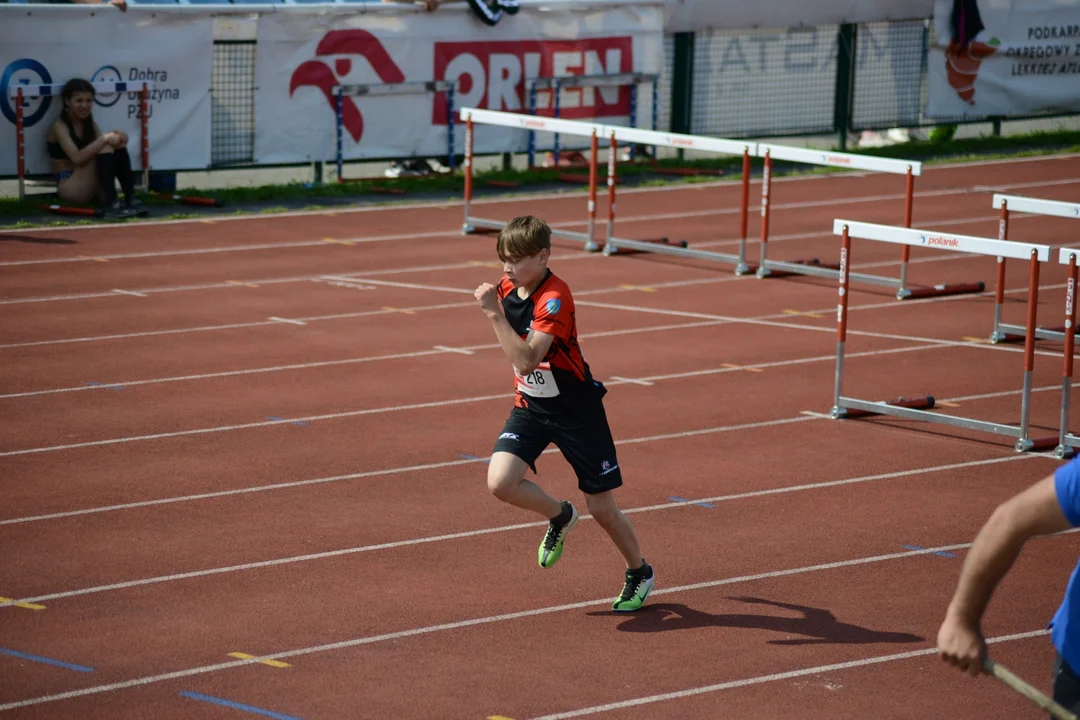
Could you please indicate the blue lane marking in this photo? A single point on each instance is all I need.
(297, 423)
(699, 504)
(939, 553)
(473, 457)
(110, 387)
(236, 705)
(47, 661)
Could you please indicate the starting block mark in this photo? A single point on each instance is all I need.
(684, 500)
(971, 339)
(947, 404)
(92, 383)
(46, 661)
(459, 351)
(23, 605)
(733, 366)
(241, 283)
(939, 553)
(297, 423)
(129, 292)
(286, 320)
(632, 381)
(802, 314)
(642, 288)
(95, 259)
(394, 309)
(271, 663)
(473, 457)
(335, 241)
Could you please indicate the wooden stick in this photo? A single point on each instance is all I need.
(1027, 691)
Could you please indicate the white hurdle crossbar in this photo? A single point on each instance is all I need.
(21, 93)
(1067, 441)
(614, 135)
(1005, 332)
(918, 408)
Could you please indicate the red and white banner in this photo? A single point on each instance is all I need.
(1019, 56)
(302, 58)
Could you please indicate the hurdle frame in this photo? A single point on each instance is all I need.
(1067, 441)
(529, 122)
(558, 84)
(910, 169)
(721, 146)
(339, 92)
(919, 408)
(20, 93)
(1003, 332)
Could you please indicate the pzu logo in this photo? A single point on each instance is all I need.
(27, 71)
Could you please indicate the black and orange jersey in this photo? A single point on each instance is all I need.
(563, 378)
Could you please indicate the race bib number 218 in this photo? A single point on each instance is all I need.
(539, 383)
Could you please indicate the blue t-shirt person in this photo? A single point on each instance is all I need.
(1065, 625)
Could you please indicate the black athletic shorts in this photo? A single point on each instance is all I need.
(582, 435)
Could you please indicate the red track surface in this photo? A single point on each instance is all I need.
(210, 447)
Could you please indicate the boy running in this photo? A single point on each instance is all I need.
(557, 401)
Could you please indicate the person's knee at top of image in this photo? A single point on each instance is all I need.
(86, 161)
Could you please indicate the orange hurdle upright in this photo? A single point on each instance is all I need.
(918, 408)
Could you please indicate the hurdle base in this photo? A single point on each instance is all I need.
(1067, 449)
(782, 269)
(1031, 444)
(940, 290)
(918, 403)
(98, 213)
(1002, 334)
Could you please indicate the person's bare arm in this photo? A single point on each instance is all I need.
(1033, 512)
(525, 355)
(88, 153)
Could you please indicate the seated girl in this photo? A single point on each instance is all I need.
(86, 161)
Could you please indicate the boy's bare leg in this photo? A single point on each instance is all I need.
(604, 510)
(506, 481)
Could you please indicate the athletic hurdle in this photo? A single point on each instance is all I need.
(472, 116)
(918, 408)
(1004, 332)
(908, 168)
(613, 244)
(22, 93)
(594, 82)
(340, 92)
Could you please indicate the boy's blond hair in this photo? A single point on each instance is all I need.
(523, 237)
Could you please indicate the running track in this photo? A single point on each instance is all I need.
(238, 439)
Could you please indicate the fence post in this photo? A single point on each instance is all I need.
(682, 85)
(845, 81)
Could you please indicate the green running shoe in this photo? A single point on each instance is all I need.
(552, 546)
(639, 583)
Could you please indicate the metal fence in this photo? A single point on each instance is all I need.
(728, 83)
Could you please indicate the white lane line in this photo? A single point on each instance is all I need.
(460, 624)
(378, 473)
(286, 320)
(632, 381)
(507, 528)
(758, 680)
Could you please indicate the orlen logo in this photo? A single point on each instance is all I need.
(837, 160)
(940, 241)
(491, 75)
(318, 74)
(962, 65)
(25, 71)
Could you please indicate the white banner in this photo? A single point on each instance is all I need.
(175, 53)
(301, 58)
(696, 15)
(1023, 56)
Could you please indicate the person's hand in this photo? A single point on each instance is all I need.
(122, 4)
(111, 138)
(123, 139)
(488, 298)
(961, 644)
